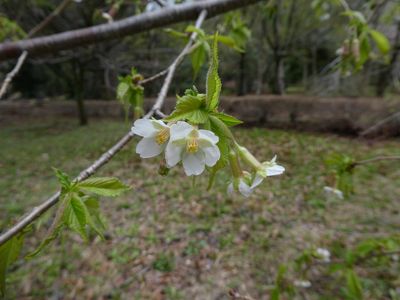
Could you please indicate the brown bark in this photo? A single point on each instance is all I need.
(118, 29)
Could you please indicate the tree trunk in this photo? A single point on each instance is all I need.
(279, 80)
(79, 95)
(241, 82)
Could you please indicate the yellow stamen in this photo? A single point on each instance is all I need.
(162, 136)
(192, 145)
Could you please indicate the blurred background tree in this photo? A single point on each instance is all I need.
(287, 46)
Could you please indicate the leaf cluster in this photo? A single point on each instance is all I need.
(78, 210)
(130, 93)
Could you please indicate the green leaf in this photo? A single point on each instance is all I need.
(103, 186)
(213, 84)
(190, 107)
(227, 119)
(198, 57)
(224, 134)
(353, 288)
(9, 253)
(63, 179)
(200, 32)
(122, 90)
(94, 216)
(56, 226)
(76, 216)
(176, 33)
(381, 41)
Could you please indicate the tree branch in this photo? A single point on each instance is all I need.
(24, 54)
(108, 155)
(118, 29)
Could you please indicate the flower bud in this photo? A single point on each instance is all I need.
(248, 158)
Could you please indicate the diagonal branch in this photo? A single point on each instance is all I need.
(118, 29)
(108, 155)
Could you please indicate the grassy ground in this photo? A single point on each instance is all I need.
(168, 239)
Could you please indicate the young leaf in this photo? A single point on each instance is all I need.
(198, 57)
(76, 215)
(381, 41)
(94, 216)
(213, 84)
(55, 227)
(103, 186)
(9, 253)
(200, 32)
(189, 107)
(122, 90)
(63, 179)
(227, 119)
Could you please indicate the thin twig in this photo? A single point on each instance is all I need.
(24, 54)
(378, 158)
(380, 124)
(108, 155)
(12, 74)
(165, 71)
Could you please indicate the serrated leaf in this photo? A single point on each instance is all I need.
(198, 57)
(227, 119)
(381, 41)
(94, 220)
(103, 186)
(9, 253)
(189, 107)
(55, 227)
(63, 179)
(213, 84)
(75, 216)
(122, 90)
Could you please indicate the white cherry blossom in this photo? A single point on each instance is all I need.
(241, 184)
(155, 135)
(267, 169)
(196, 148)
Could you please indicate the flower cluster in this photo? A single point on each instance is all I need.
(245, 182)
(196, 148)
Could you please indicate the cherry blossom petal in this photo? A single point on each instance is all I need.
(244, 189)
(180, 130)
(257, 180)
(148, 147)
(212, 155)
(274, 170)
(144, 128)
(193, 164)
(209, 135)
(173, 154)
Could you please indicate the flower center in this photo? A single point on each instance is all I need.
(162, 136)
(192, 145)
